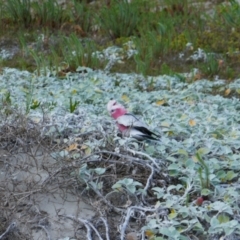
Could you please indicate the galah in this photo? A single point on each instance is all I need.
(128, 124)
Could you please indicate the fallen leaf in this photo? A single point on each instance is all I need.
(197, 76)
(98, 90)
(220, 63)
(192, 122)
(61, 74)
(128, 203)
(173, 214)
(191, 102)
(125, 98)
(79, 30)
(227, 91)
(131, 236)
(64, 66)
(160, 102)
(36, 119)
(184, 116)
(83, 147)
(165, 124)
(194, 158)
(88, 151)
(72, 147)
(149, 234)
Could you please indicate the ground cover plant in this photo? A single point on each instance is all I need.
(182, 187)
(65, 172)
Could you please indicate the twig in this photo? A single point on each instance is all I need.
(129, 213)
(147, 156)
(117, 210)
(143, 237)
(44, 229)
(134, 159)
(106, 226)
(65, 167)
(190, 226)
(149, 178)
(84, 159)
(90, 224)
(148, 181)
(187, 190)
(9, 229)
(28, 194)
(89, 237)
(87, 224)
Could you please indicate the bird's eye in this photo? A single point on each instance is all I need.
(112, 110)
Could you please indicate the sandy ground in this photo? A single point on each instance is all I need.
(37, 208)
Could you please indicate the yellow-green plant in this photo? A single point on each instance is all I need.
(73, 105)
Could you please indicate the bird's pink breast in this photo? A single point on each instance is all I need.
(118, 113)
(121, 127)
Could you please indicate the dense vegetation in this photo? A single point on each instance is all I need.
(173, 63)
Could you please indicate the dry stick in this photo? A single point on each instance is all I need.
(117, 154)
(87, 224)
(44, 229)
(148, 181)
(143, 237)
(148, 165)
(190, 226)
(149, 178)
(130, 158)
(84, 159)
(91, 225)
(9, 229)
(28, 194)
(187, 190)
(48, 179)
(129, 212)
(145, 155)
(106, 226)
(117, 210)
(65, 167)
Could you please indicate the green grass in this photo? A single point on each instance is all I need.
(82, 15)
(50, 14)
(120, 19)
(19, 11)
(159, 31)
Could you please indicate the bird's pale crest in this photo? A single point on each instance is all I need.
(110, 105)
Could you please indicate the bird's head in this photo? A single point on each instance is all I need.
(115, 109)
(111, 104)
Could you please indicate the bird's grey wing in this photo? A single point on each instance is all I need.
(140, 135)
(136, 128)
(129, 120)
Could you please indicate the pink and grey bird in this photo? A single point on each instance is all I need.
(128, 124)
